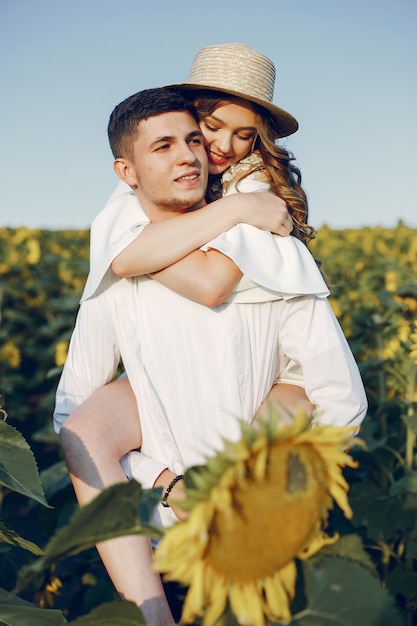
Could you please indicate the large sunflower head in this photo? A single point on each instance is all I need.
(254, 508)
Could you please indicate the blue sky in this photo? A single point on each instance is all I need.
(346, 69)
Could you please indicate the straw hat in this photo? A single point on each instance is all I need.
(238, 70)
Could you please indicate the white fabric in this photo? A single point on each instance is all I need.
(112, 230)
(196, 371)
(285, 266)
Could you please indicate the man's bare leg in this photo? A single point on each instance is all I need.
(94, 438)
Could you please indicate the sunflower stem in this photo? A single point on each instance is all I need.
(410, 435)
(381, 383)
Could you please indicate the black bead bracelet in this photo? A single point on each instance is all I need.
(169, 489)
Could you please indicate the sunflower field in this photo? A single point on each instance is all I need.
(365, 571)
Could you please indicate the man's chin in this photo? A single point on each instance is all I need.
(185, 204)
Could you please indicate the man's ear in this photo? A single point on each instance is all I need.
(126, 172)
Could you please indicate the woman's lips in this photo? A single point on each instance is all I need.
(216, 159)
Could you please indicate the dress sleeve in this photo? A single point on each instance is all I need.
(282, 265)
(114, 228)
(92, 361)
(311, 336)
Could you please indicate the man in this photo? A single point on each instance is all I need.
(194, 370)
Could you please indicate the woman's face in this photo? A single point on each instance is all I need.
(229, 133)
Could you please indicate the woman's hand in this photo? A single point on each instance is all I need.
(266, 211)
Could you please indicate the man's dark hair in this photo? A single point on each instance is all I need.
(124, 120)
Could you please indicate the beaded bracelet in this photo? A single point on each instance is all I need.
(169, 489)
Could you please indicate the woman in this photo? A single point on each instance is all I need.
(246, 78)
(115, 398)
(240, 126)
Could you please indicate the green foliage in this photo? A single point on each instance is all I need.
(114, 513)
(42, 274)
(368, 578)
(113, 614)
(342, 593)
(120, 510)
(7, 535)
(18, 469)
(16, 612)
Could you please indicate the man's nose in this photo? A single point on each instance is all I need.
(186, 154)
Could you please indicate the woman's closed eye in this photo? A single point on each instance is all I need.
(214, 129)
(209, 127)
(246, 137)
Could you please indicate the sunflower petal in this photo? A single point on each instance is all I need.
(260, 464)
(217, 600)
(317, 543)
(277, 598)
(244, 499)
(195, 597)
(246, 605)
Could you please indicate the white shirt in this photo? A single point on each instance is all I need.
(197, 371)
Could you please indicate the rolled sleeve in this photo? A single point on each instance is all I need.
(142, 468)
(92, 361)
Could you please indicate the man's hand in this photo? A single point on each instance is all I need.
(176, 494)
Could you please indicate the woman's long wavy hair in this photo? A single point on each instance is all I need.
(283, 176)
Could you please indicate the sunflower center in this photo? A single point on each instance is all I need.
(297, 475)
(272, 519)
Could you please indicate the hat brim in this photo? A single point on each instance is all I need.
(286, 123)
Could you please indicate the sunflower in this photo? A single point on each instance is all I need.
(253, 508)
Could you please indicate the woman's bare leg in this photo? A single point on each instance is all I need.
(94, 438)
(287, 399)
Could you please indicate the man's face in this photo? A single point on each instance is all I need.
(170, 165)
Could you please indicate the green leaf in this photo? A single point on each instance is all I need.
(403, 582)
(342, 593)
(383, 515)
(113, 513)
(149, 500)
(18, 469)
(55, 479)
(406, 483)
(16, 612)
(367, 434)
(350, 547)
(411, 550)
(113, 614)
(46, 434)
(7, 535)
